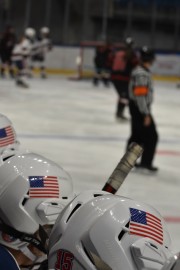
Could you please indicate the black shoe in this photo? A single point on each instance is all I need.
(95, 81)
(152, 168)
(43, 76)
(106, 82)
(22, 84)
(147, 168)
(121, 118)
(137, 165)
(11, 73)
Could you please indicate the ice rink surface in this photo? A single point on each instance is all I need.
(73, 124)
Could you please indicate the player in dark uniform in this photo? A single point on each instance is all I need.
(7, 43)
(143, 128)
(101, 63)
(124, 60)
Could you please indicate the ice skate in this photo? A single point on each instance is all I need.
(121, 118)
(148, 170)
(43, 75)
(22, 84)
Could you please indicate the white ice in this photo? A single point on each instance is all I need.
(73, 124)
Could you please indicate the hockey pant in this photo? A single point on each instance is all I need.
(122, 91)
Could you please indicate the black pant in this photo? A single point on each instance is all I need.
(121, 88)
(146, 136)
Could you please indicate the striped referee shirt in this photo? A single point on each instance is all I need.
(141, 89)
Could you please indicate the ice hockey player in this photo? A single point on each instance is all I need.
(101, 63)
(42, 47)
(105, 231)
(123, 61)
(33, 191)
(143, 127)
(31, 40)
(21, 57)
(30, 34)
(7, 43)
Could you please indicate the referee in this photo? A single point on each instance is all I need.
(143, 128)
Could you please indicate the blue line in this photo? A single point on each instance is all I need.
(85, 138)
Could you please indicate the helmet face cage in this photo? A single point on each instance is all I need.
(38, 190)
(99, 234)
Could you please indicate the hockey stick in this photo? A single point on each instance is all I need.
(123, 168)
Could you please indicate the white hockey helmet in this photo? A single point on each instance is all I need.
(33, 191)
(173, 263)
(30, 32)
(8, 138)
(108, 232)
(44, 30)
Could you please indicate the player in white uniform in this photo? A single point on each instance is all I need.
(108, 232)
(21, 55)
(33, 191)
(44, 45)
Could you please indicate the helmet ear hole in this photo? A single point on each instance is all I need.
(120, 236)
(97, 195)
(25, 199)
(122, 233)
(73, 211)
(4, 159)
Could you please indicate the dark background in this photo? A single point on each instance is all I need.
(155, 23)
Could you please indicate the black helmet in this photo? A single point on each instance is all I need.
(147, 54)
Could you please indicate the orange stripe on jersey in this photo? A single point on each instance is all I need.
(140, 90)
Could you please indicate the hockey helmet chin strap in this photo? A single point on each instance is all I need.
(28, 238)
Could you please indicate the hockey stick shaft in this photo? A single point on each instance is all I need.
(123, 168)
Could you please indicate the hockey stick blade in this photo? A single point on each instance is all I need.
(123, 168)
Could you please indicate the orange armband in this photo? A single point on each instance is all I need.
(140, 90)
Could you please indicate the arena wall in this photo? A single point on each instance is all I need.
(63, 60)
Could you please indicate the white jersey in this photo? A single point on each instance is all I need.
(26, 47)
(44, 46)
(21, 50)
(34, 47)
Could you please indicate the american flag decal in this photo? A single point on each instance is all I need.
(146, 225)
(43, 187)
(6, 136)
